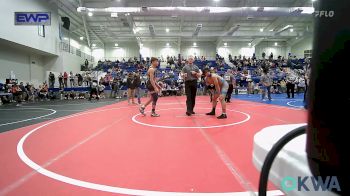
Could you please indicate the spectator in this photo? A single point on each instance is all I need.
(256, 88)
(60, 80)
(137, 83)
(301, 84)
(94, 90)
(115, 88)
(283, 85)
(43, 92)
(86, 63)
(51, 80)
(17, 94)
(24, 93)
(76, 79)
(65, 79)
(266, 82)
(307, 81)
(71, 79)
(130, 84)
(80, 79)
(101, 89)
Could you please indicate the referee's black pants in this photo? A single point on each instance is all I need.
(191, 91)
(229, 93)
(290, 88)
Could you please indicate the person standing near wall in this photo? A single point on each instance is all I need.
(51, 80)
(190, 73)
(65, 79)
(71, 79)
(60, 80)
(115, 88)
(266, 82)
(130, 83)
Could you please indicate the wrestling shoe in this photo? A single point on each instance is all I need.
(155, 115)
(222, 116)
(212, 113)
(142, 110)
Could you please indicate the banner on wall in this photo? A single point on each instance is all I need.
(33, 18)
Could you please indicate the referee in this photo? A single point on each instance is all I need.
(190, 74)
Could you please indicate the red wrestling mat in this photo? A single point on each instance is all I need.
(113, 149)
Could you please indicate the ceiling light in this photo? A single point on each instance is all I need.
(81, 9)
(93, 45)
(194, 44)
(276, 44)
(249, 44)
(313, 0)
(114, 15)
(90, 14)
(261, 30)
(116, 45)
(167, 30)
(81, 38)
(271, 30)
(167, 44)
(216, 0)
(225, 44)
(123, 9)
(291, 30)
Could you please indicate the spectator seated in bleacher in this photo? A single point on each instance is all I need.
(43, 92)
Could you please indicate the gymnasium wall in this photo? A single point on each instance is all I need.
(299, 47)
(207, 49)
(28, 35)
(29, 55)
(98, 54)
(25, 65)
(159, 49)
(123, 50)
(64, 62)
(236, 49)
(268, 47)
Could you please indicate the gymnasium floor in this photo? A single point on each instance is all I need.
(107, 147)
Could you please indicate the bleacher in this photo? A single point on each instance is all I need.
(130, 67)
